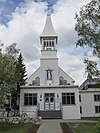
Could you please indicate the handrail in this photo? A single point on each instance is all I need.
(38, 107)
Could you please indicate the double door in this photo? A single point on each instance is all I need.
(49, 101)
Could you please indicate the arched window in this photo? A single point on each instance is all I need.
(61, 80)
(38, 81)
(64, 82)
(33, 82)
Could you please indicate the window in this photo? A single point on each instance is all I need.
(30, 99)
(65, 82)
(52, 43)
(97, 97)
(97, 109)
(68, 98)
(60, 80)
(79, 98)
(47, 43)
(44, 43)
(80, 109)
(38, 81)
(33, 82)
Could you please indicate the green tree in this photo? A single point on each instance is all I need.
(7, 75)
(12, 50)
(12, 72)
(88, 30)
(20, 73)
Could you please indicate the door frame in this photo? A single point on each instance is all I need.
(49, 103)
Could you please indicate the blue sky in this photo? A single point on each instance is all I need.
(22, 21)
(8, 6)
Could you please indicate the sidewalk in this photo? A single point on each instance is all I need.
(50, 126)
(53, 125)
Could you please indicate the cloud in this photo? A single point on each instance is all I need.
(24, 28)
(72, 64)
(26, 25)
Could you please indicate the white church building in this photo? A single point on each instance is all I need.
(49, 91)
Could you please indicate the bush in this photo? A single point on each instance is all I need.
(97, 128)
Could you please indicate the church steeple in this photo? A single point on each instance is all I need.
(48, 38)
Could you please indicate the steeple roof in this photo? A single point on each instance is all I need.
(48, 28)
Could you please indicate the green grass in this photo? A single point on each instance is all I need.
(83, 127)
(14, 128)
(91, 118)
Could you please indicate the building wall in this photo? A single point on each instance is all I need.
(57, 72)
(68, 111)
(61, 73)
(49, 64)
(29, 110)
(88, 104)
(48, 54)
(72, 112)
(33, 77)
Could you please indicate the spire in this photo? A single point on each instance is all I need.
(48, 28)
(49, 9)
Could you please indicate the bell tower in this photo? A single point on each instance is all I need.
(49, 60)
(48, 38)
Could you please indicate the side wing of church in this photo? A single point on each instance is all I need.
(49, 91)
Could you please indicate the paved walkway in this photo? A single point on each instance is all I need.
(50, 126)
(53, 126)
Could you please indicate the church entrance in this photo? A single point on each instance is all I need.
(49, 101)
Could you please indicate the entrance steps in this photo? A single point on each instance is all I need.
(50, 114)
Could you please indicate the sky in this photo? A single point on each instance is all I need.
(22, 22)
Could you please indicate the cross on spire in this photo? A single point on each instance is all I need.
(49, 9)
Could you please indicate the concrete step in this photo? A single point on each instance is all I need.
(50, 114)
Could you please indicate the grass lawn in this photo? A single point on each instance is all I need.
(83, 127)
(14, 128)
(91, 118)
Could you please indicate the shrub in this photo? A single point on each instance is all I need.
(97, 128)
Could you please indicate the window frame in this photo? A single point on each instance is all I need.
(97, 109)
(31, 99)
(68, 99)
(96, 97)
